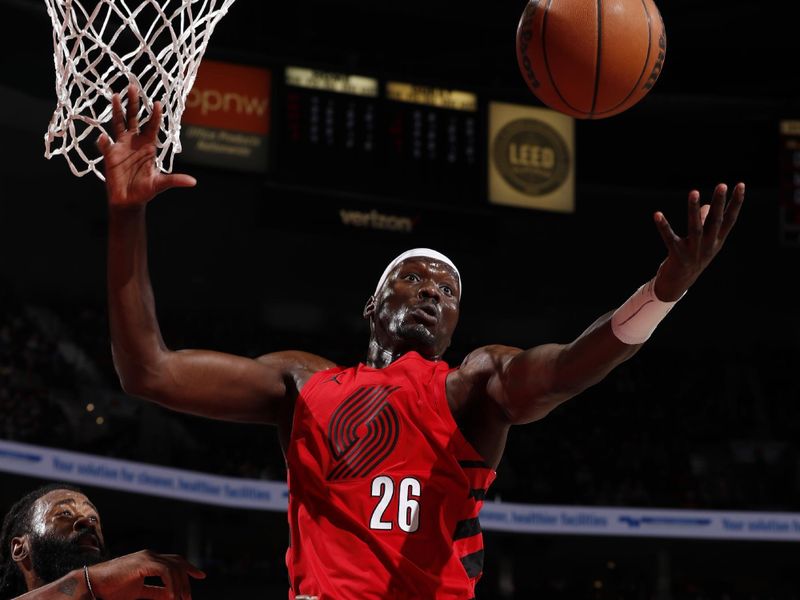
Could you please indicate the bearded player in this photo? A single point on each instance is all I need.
(388, 461)
(52, 548)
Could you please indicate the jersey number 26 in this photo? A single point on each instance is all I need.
(408, 507)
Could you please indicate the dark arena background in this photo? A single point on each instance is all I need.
(279, 249)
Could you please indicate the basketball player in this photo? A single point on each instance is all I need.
(389, 460)
(52, 547)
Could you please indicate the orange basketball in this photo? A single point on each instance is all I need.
(591, 59)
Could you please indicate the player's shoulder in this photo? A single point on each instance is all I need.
(486, 361)
(470, 382)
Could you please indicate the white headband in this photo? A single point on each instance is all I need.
(417, 253)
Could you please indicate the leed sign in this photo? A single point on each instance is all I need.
(531, 158)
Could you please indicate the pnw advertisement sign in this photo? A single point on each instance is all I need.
(227, 118)
(531, 157)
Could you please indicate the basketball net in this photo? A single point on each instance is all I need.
(102, 46)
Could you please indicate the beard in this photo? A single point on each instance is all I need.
(415, 335)
(53, 557)
(418, 335)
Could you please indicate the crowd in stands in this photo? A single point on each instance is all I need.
(666, 431)
(30, 368)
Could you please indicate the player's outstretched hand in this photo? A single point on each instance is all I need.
(132, 178)
(123, 578)
(709, 226)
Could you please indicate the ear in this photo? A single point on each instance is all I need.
(369, 308)
(20, 548)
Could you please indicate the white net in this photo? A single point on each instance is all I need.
(102, 46)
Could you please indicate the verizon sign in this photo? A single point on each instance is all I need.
(227, 118)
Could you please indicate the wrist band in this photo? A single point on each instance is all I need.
(636, 320)
(88, 582)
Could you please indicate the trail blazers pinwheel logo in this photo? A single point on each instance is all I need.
(362, 432)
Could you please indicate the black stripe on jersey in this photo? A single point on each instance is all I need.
(467, 528)
(473, 464)
(473, 563)
(479, 494)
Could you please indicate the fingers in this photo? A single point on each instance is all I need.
(704, 210)
(185, 566)
(732, 211)
(128, 119)
(165, 182)
(669, 237)
(695, 223)
(182, 569)
(174, 571)
(708, 226)
(117, 118)
(150, 129)
(715, 211)
(180, 584)
(722, 215)
(127, 577)
(194, 572)
(172, 582)
(177, 575)
(187, 589)
(103, 142)
(132, 112)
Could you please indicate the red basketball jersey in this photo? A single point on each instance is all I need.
(384, 490)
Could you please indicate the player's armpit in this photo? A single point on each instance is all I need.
(224, 386)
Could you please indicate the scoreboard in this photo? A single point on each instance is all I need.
(385, 138)
(328, 132)
(432, 138)
(342, 137)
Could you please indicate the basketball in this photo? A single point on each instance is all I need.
(591, 59)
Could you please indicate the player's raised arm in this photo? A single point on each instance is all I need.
(529, 384)
(201, 382)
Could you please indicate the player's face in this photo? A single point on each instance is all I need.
(65, 534)
(417, 308)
